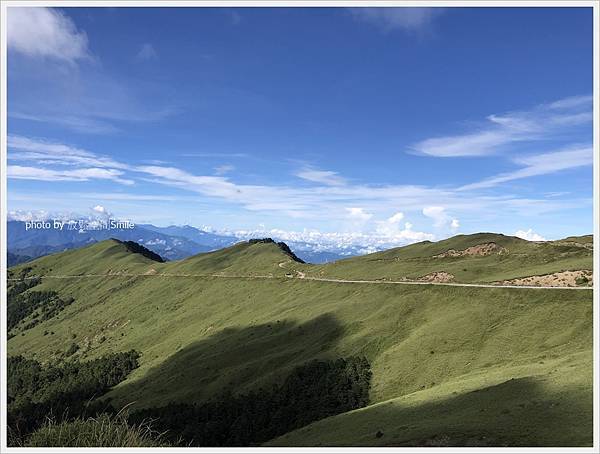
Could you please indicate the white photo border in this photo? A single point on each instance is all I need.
(6, 4)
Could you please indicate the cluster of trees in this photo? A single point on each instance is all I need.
(39, 305)
(311, 392)
(56, 402)
(19, 287)
(36, 392)
(36, 306)
(139, 249)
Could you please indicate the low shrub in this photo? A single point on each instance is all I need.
(102, 431)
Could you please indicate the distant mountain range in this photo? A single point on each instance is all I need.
(171, 243)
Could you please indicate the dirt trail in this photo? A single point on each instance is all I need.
(303, 277)
(299, 274)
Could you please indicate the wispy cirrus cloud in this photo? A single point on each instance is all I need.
(408, 19)
(60, 162)
(500, 131)
(352, 202)
(350, 206)
(539, 164)
(325, 177)
(42, 151)
(84, 174)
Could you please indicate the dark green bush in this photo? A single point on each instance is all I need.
(582, 280)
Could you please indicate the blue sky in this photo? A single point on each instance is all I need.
(378, 125)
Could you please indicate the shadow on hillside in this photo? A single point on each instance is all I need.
(517, 413)
(232, 360)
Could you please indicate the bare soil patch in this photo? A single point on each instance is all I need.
(578, 278)
(437, 276)
(478, 250)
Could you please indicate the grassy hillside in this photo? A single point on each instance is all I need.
(513, 258)
(528, 409)
(439, 355)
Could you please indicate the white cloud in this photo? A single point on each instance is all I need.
(217, 186)
(396, 218)
(76, 164)
(500, 131)
(571, 102)
(24, 216)
(94, 217)
(146, 52)
(441, 219)
(391, 225)
(87, 98)
(100, 209)
(358, 213)
(408, 19)
(84, 174)
(100, 212)
(331, 202)
(529, 235)
(540, 164)
(45, 33)
(326, 177)
(326, 204)
(341, 242)
(437, 213)
(391, 231)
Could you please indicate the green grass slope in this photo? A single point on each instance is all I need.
(240, 259)
(583, 239)
(520, 258)
(110, 256)
(430, 347)
(528, 409)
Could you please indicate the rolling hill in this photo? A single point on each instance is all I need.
(451, 365)
(479, 258)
